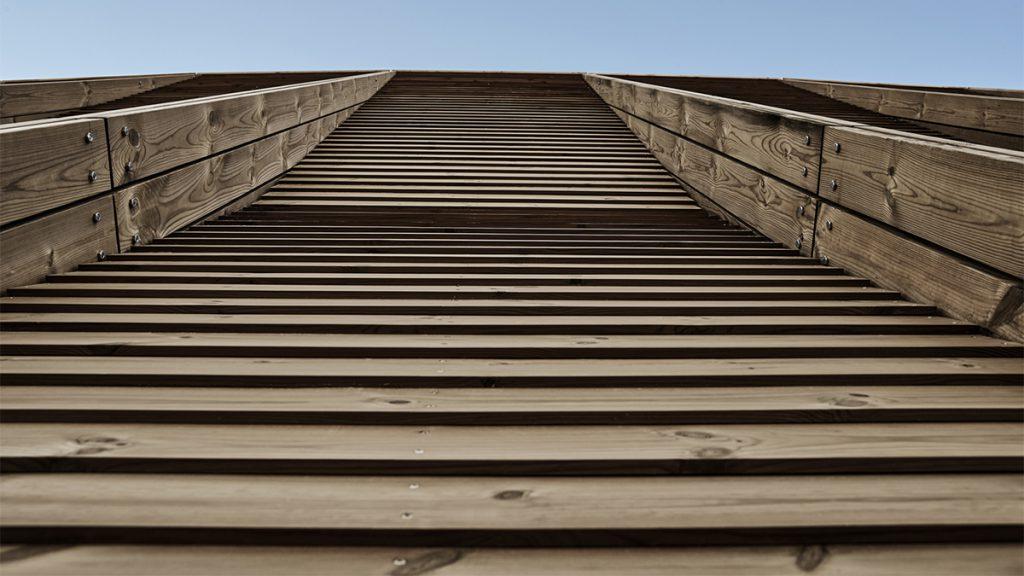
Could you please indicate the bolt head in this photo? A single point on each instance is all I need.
(807, 139)
(124, 130)
(799, 242)
(398, 561)
(133, 203)
(828, 225)
(823, 260)
(101, 255)
(97, 216)
(838, 147)
(129, 167)
(93, 176)
(90, 137)
(834, 184)
(804, 171)
(800, 210)
(136, 239)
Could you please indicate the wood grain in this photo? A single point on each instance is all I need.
(57, 242)
(27, 97)
(161, 137)
(921, 272)
(991, 113)
(774, 208)
(962, 198)
(833, 560)
(48, 164)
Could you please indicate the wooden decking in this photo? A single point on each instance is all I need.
(480, 315)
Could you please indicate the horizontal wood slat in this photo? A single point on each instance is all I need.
(47, 164)
(23, 98)
(967, 200)
(57, 242)
(995, 114)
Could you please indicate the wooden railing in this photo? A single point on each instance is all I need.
(111, 180)
(939, 220)
(24, 99)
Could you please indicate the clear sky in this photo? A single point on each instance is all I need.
(953, 42)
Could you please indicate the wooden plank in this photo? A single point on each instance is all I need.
(735, 449)
(777, 210)
(161, 137)
(513, 406)
(57, 242)
(484, 324)
(26, 97)
(415, 372)
(251, 508)
(995, 114)
(49, 164)
(831, 560)
(921, 272)
(965, 199)
(499, 346)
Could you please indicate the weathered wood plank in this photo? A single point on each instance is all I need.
(513, 406)
(777, 210)
(782, 145)
(57, 242)
(48, 164)
(157, 138)
(26, 97)
(831, 560)
(415, 372)
(995, 114)
(966, 199)
(921, 272)
(384, 509)
(532, 449)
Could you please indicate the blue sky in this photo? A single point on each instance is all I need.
(963, 42)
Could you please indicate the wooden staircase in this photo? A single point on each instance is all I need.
(478, 316)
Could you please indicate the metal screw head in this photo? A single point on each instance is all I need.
(136, 239)
(807, 139)
(828, 225)
(101, 255)
(90, 137)
(823, 260)
(799, 242)
(133, 203)
(124, 130)
(398, 561)
(93, 176)
(800, 210)
(129, 167)
(97, 216)
(805, 171)
(838, 147)
(834, 184)
(406, 515)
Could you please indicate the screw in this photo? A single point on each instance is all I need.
(835, 184)
(838, 147)
(406, 515)
(807, 139)
(823, 260)
(398, 561)
(800, 210)
(418, 451)
(414, 486)
(799, 242)
(805, 170)
(93, 176)
(90, 137)
(828, 225)
(133, 203)
(96, 216)
(136, 239)
(129, 167)
(124, 130)
(101, 255)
